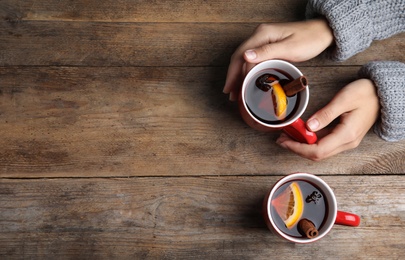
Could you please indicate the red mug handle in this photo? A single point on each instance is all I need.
(347, 219)
(300, 133)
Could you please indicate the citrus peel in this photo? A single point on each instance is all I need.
(289, 205)
(279, 100)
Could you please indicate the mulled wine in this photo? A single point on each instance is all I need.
(260, 97)
(295, 201)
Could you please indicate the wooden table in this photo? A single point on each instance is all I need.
(117, 142)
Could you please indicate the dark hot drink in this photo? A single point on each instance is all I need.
(266, 99)
(295, 201)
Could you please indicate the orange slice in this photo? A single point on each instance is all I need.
(289, 205)
(279, 100)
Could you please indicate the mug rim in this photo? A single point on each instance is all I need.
(331, 200)
(265, 65)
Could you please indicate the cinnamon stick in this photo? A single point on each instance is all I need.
(308, 228)
(295, 86)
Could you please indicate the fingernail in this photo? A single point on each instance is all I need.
(250, 54)
(279, 141)
(281, 144)
(313, 124)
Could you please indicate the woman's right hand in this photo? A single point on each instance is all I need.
(294, 42)
(357, 107)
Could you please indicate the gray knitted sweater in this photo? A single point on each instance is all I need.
(355, 25)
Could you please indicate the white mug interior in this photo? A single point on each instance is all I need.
(265, 67)
(330, 200)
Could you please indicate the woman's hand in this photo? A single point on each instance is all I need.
(294, 42)
(358, 107)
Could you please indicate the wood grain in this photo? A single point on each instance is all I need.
(220, 11)
(118, 143)
(153, 122)
(216, 217)
(44, 43)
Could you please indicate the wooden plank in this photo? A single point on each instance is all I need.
(158, 11)
(156, 121)
(188, 217)
(44, 43)
(117, 142)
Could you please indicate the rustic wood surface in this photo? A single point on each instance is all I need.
(117, 142)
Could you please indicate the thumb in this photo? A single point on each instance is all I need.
(266, 52)
(323, 117)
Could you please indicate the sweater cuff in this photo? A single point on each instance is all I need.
(389, 78)
(350, 22)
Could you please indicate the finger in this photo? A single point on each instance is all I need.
(276, 50)
(339, 105)
(252, 59)
(301, 149)
(335, 142)
(235, 71)
(233, 96)
(234, 92)
(342, 138)
(248, 67)
(260, 37)
(265, 52)
(234, 76)
(308, 151)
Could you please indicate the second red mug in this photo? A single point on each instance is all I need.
(318, 205)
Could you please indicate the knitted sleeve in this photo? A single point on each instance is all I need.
(356, 23)
(389, 78)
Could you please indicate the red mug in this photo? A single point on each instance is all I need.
(330, 216)
(294, 126)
